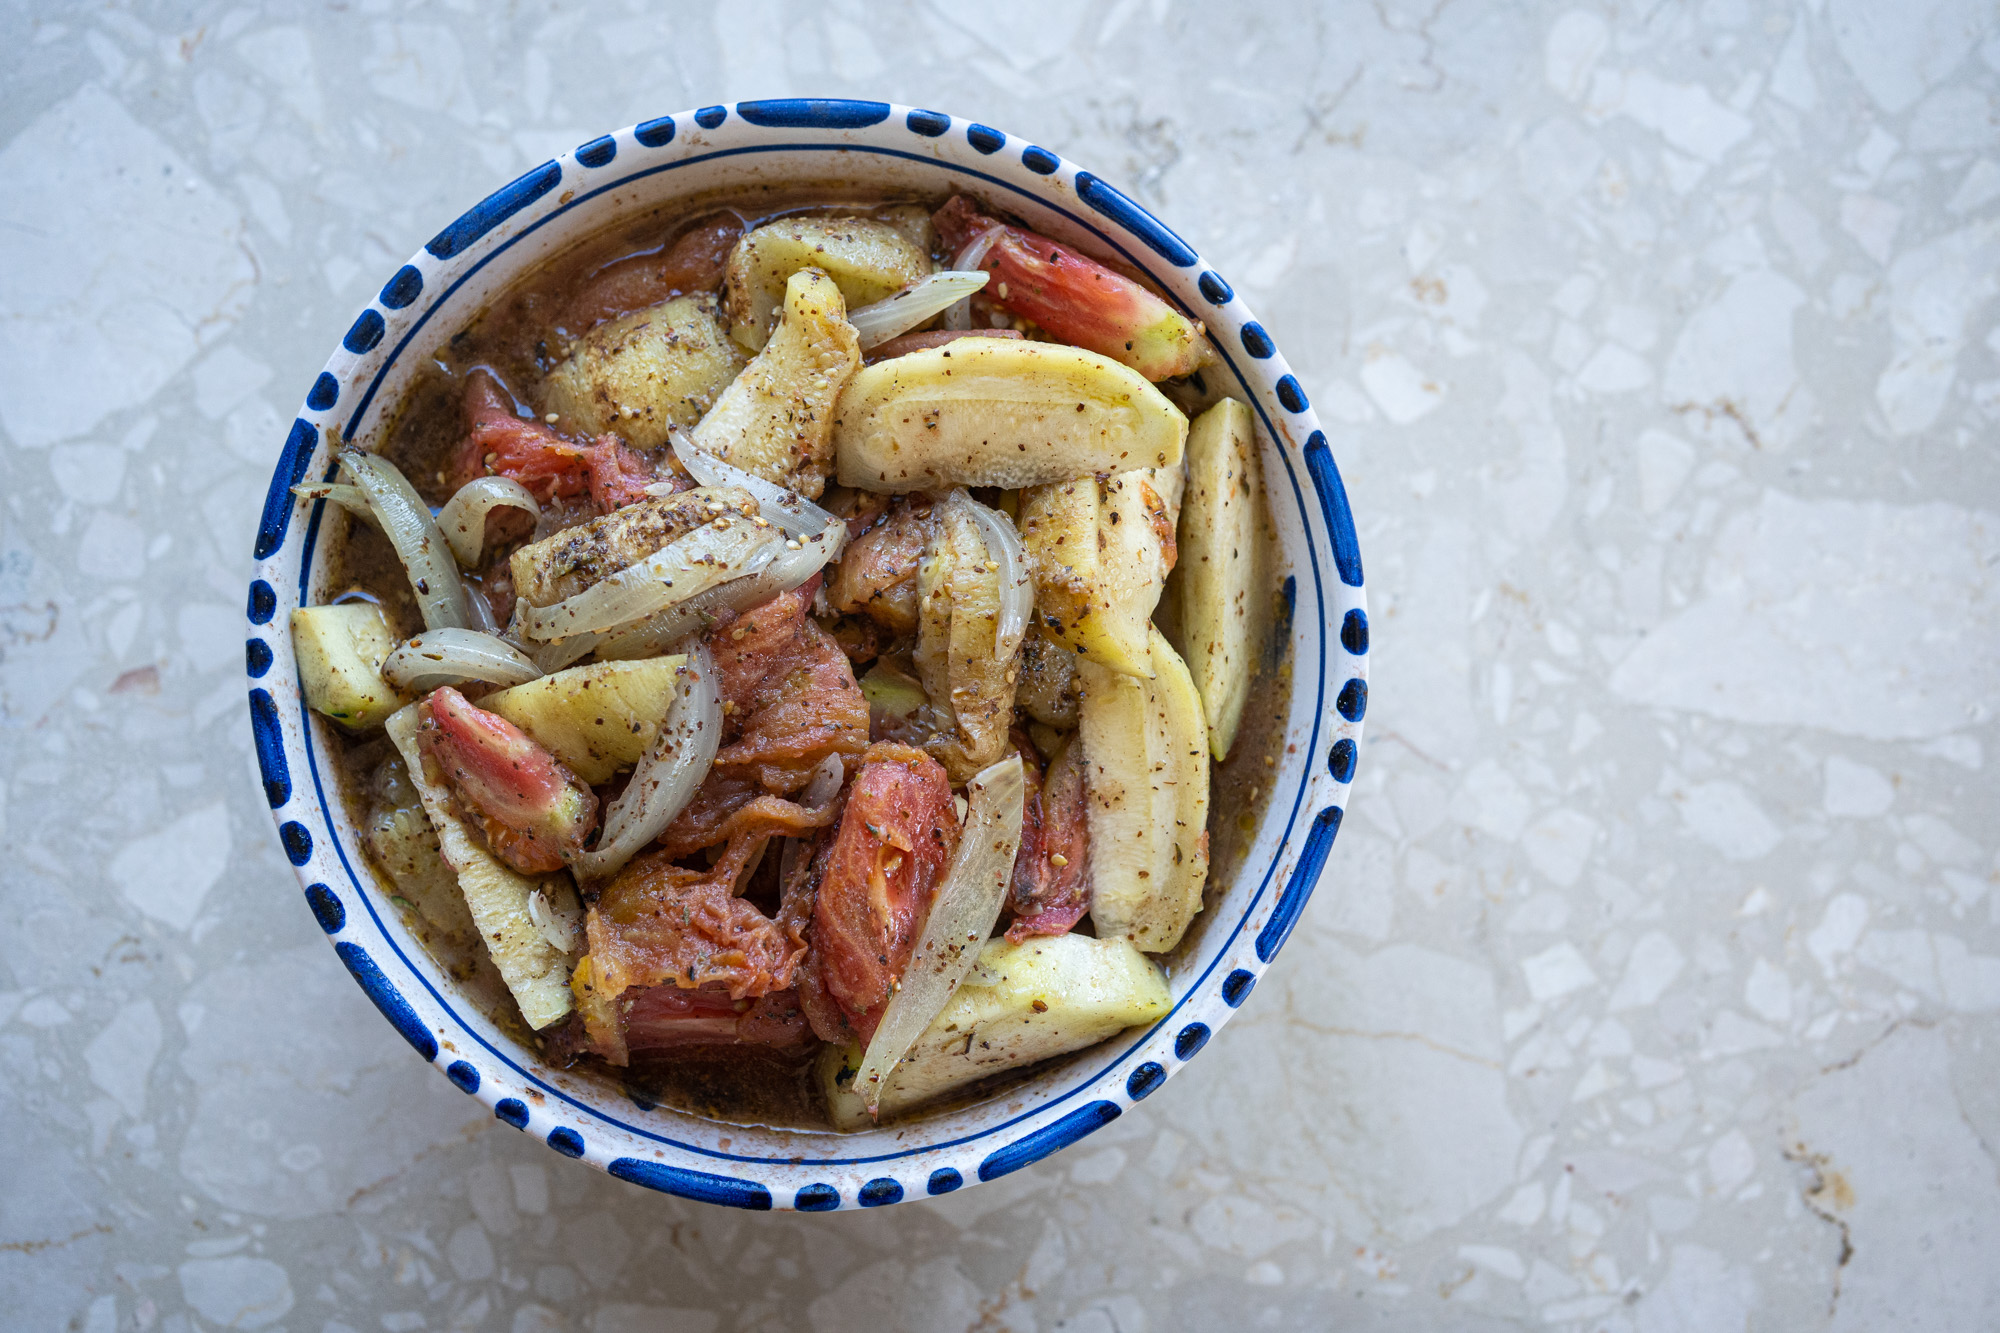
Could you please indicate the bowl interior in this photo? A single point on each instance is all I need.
(1317, 569)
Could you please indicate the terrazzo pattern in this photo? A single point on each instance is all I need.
(1653, 982)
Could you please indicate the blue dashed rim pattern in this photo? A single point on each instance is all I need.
(749, 1167)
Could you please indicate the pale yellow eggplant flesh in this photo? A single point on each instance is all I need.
(1145, 750)
(1220, 600)
(999, 412)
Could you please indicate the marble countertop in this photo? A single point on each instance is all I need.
(1653, 982)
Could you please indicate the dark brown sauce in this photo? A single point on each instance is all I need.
(746, 1086)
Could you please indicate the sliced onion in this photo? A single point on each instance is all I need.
(686, 566)
(560, 923)
(819, 792)
(668, 774)
(919, 302)
(970, 258)
(351, 498)
(1017, 588)
(452, 657)
(825, 782)
(407, 523)
(798, 516)
(463, 518)
(961, 917)
(661, 631)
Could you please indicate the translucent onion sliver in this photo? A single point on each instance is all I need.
(914, 305)
(661, 631)
(351, 498)
(1017, 588)
(961, 917)
(667, 775)
(969, 259)
(463, 518)
(406, 521)
(454, 656)
(677, 571)
(798, 516)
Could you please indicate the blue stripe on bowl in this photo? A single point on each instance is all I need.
(813, 113)
(566, 1141)
(880, 1191)
(325, 392)
(1040, 160)
(656, 133)
(269, 739)
(1214, 289)
(1138, 221)
(697, 1185)
(1190, 1041)
(1333, 506)
(1145, 1080)
(298, 841)
(1237, 988)
(711, 116)
(1298, 888)
(399, 291)
(364, 333)
(256, 658)
(1354, 632)
(816, 1199)
(1032, 1148)
(326, 908)
(512, 1111)
(943, 1181)
(463, 1076)
(1291, 395)
(277, 515)
(263, 602)
(1353, 699)
(598, 152)
(1340, 761)
(985, 138)
(1257, 342)
(495, 209)
(930, 124)
(388, 999)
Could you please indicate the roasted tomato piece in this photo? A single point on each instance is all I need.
(1051, 889)
(1076, 299)
(660, 924)
(662, 1017)
(877, 573)
(692, 263)
(789, 697)
(536, 813)
(876, 879)
(552, 466)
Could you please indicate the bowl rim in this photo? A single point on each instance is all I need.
(407, 986)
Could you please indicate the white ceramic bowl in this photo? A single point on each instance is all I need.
(871, 144)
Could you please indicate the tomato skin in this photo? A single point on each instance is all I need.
(500, 444)
(877, 876)
(1051, 889)
(1075, 298)
(536, 813)
(693, 263)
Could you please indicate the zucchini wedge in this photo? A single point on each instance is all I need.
(1145, 750)
(535, 970)
(1000, 412)
(1220, 599)
(341, 650)
(1021, 1003)
(597, 719)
